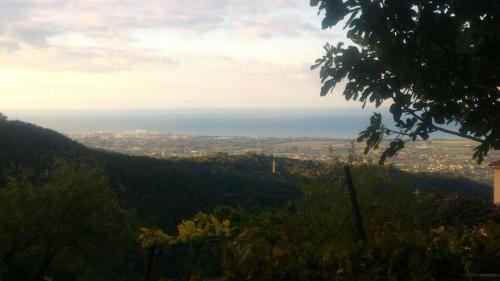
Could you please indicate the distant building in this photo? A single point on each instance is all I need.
(496, 181)
(274, 166)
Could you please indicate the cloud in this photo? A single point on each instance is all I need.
(31, 35)
(267, 18)
(99, 35)
(107, 60)
(33, 21)
(26, 22)
(8, 46)
(98, 60)
(269, 27)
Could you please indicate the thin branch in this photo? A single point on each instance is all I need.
(412, 112)
(396, 132)
(446, 130)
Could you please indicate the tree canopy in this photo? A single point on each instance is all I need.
(70, 227)
(435, 62)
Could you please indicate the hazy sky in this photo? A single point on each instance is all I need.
(100, 54)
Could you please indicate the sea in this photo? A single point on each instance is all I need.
(263, 122)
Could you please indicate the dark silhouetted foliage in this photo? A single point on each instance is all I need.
(71, 227)
(434, 62)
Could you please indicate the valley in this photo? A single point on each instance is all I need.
(452, 157)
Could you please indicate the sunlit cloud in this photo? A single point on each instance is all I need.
(170, 52)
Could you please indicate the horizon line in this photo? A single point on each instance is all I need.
(186, 108)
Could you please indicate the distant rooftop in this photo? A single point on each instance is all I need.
(495, 164)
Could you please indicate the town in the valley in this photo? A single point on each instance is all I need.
(435, 156)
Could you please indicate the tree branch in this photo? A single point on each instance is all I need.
(458, 134)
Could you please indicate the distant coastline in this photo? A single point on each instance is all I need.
(266, 122)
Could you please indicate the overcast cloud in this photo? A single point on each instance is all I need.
(165, 37)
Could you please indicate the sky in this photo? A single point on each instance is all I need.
(123, 54)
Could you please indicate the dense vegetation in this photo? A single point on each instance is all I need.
(410, 236)
(71, 227)
(71, 213)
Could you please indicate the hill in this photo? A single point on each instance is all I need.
(163, 191)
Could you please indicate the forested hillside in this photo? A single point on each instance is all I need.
(162, 191)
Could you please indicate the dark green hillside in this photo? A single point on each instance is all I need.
(169, 190)
(163, 191)
(430, 182)
(27, 145)
(451, 184)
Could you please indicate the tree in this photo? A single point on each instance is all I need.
(202, 230)
(71, 227)
(435, 62)
(154, 241)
